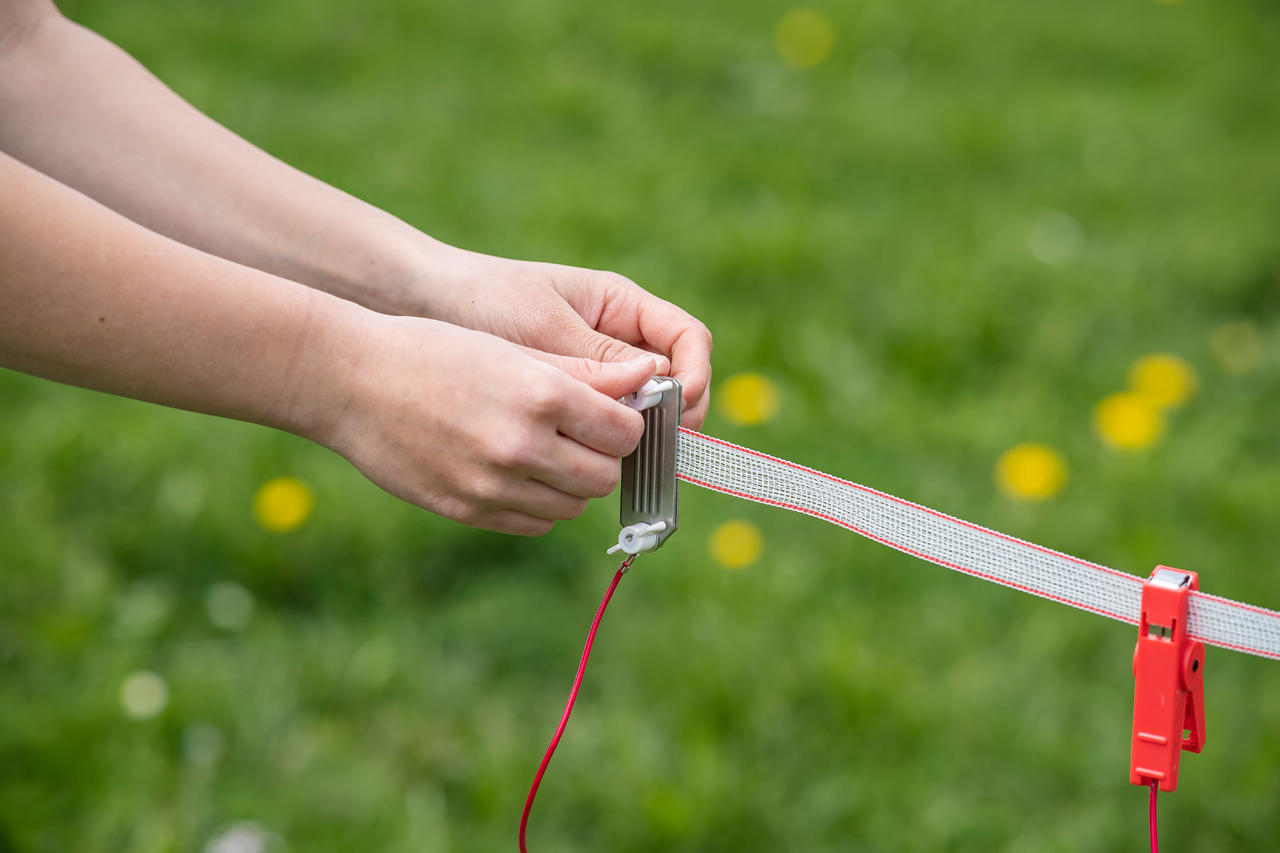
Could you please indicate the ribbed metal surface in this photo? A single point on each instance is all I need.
(649, 490)
(646, 497)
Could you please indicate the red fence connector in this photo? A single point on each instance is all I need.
(1168, 670)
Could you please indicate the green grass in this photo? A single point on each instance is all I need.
(859, 232)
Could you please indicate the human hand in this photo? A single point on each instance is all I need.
(575, 312)
(475, 428)
(278, 220)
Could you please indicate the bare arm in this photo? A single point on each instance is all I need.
(460, 422)
(78, 108)
(89, 298)
(81, 110)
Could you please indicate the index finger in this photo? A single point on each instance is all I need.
(599, 421)
(687, 342)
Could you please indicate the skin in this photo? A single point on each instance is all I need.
(147, 251)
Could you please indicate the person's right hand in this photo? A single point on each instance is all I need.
(475, 428)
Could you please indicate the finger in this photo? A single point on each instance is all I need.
(594, 417)
(600, 347)
(694, 417)
(598, 421)
(630, 313)
(613, 379)
(694, 382)
(576, 469)
(566, 332)
(602, 424)
(513, 522)
(687, 342)
(540, 500)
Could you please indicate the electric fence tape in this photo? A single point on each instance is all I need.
(931, 535)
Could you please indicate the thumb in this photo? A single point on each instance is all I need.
(611, 378)
(588, 343)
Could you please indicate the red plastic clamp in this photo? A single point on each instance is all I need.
(1168, 671)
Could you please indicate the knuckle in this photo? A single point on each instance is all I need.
(512, 450)
(605, 348)
(590, 367)
(632, 431)
(706, 334)
(697, 336)
(610, 280)
(544, 397)
(485, 490)
(575, 508)
(607, 482)
(464, 512)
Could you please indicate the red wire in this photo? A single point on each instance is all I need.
(573, 696)
(1155, 844)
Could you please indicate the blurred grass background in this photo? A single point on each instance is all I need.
(952, 234)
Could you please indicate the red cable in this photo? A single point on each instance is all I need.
(1155, 845)
(573, 696)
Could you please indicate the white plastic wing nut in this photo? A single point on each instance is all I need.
(638, 538)
(649, 395)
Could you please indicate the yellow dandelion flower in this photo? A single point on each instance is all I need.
(736, 544)
(804, 37)
(283, 504)
(1236, 347)
(1031, 472)
(748, 398)
(1165, 380)
(1127, 420)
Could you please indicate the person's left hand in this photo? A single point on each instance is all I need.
(574, 312)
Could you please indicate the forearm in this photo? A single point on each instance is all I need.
(90, 298)
(81, 110)
(77, 108)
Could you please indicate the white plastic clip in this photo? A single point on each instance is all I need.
(649, 395)
(638, 538)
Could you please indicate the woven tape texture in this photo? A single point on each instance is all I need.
(930, 535)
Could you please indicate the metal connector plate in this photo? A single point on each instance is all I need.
(649, 492)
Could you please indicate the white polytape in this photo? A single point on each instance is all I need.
(939, 538)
